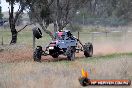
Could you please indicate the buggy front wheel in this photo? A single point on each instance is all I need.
(37, 54)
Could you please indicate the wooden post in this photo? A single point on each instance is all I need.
(34, 42)
(2, 43)
(2, 40)
(78, 35)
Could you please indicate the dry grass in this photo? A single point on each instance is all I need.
(64, 74)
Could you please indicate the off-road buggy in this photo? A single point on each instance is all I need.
(64, 43)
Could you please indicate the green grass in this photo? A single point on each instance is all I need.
(25, 37)
(114, 55)
(94, 59)
(91, 60)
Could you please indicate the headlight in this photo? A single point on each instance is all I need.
(51, 47)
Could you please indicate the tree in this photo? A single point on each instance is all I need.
(13, 17)
(118, 8)
(19, 20)
(39, 12)
(1, 15)
(58, 12)
(107, 12)
(63, 12)
(123, 9)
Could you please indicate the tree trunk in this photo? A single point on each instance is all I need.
(60, 27)
(12, 24)
(55, 27)
(14, 35)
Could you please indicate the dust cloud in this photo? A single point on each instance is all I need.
(110, 47)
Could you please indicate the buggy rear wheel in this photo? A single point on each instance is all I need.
(37, 54)
(88, 50)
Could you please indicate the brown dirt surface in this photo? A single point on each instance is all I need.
(22, 52)
(15, 53)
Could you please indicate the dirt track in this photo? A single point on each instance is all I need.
(13, 53)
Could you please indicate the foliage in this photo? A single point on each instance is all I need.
(1, 15)
(58, 12)
(19, 20)
(107, 12)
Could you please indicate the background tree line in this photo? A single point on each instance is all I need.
(106, 12)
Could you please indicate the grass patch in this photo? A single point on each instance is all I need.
(114, 55)
(107, 57)
(25, 37)
(93, 59)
